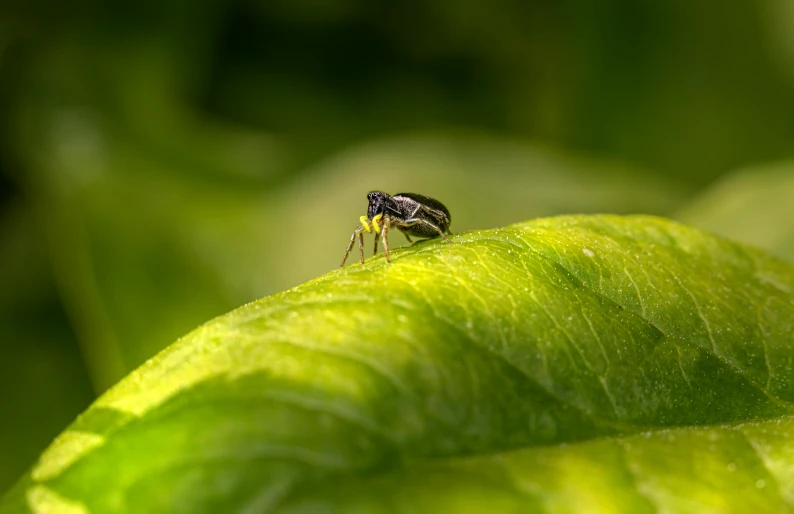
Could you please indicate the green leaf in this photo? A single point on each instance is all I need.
(573, 364)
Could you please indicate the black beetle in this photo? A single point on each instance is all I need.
(413, 214)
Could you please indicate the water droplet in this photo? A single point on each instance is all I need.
(760, 484)
(588, 252)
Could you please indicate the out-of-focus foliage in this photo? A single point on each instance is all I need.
(167, 161)
(755, 206)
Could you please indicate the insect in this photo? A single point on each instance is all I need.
(412, 214)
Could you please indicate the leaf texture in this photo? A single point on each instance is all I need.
(571, 364)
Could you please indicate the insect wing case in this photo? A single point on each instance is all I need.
(425, 208)
(430, 202)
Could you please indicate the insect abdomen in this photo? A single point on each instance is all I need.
(438, 215)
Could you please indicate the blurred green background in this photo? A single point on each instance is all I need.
(164, 162)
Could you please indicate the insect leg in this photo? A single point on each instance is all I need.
(434, 212)
(356, 232)
(416, 221)
(375, 221)
(384, 235)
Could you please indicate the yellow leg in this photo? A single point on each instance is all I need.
(375, 221)
(365, 223)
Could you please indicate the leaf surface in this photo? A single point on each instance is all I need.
(573, 364)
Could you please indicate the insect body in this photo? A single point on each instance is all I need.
(414, 215)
